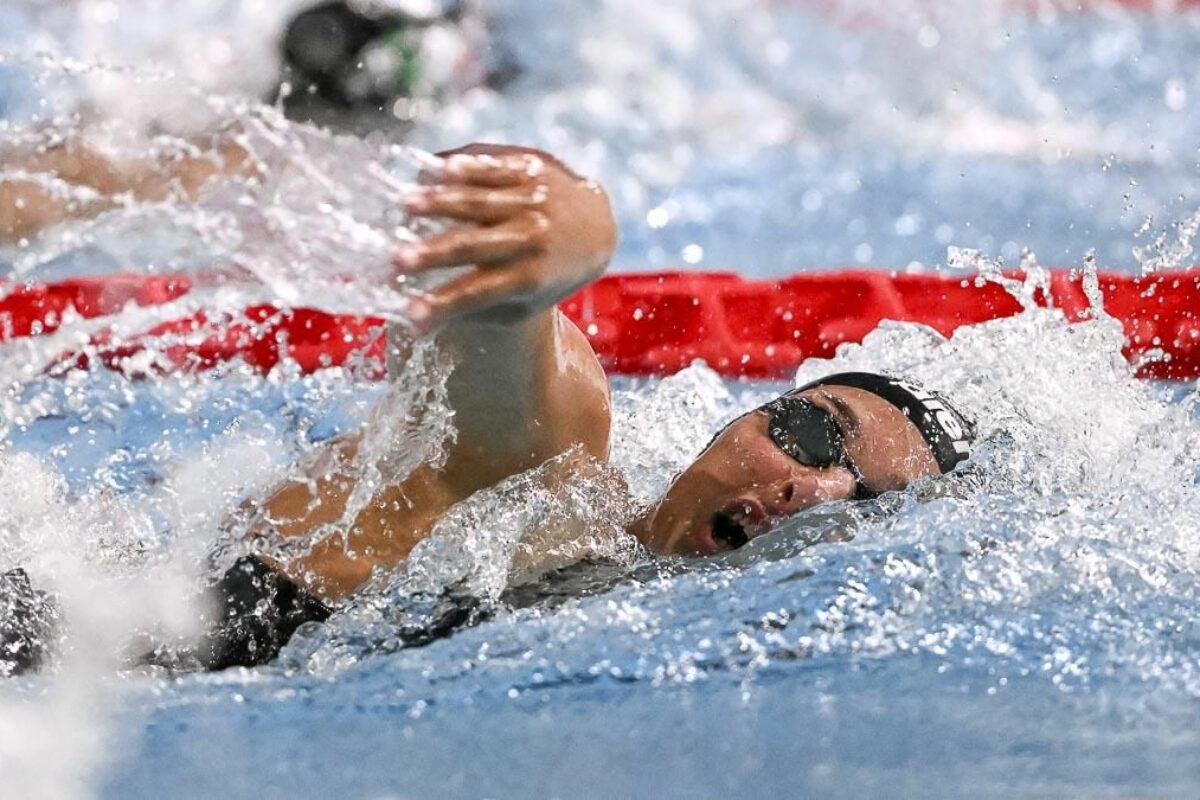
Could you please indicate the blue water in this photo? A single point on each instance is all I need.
(1034, 631)
(860, 146)
(797, 730)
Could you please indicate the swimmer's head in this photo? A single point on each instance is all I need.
(351, 63)
(844, 437)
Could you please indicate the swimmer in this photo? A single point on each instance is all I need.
(527, 387)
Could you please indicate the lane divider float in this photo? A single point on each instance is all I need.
(639, 324)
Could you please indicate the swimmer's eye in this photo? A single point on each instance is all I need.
(812, 436)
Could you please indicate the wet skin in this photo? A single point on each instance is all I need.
(745, 477)
(526, 387)
(28, 204)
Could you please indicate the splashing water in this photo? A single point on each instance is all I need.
(1064, 558)
(812, 134)
(119, 543)
(1080, 501)
(1060, 571)
(804, 135)
(1171, 249)
(305, 214)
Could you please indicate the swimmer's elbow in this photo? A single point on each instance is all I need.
(595, 429)
(583, 400)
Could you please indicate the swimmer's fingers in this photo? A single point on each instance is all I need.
(485, 206)
(509, 240)
(497, 171)
(476, 291)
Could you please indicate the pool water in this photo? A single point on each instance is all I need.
(1030, 628)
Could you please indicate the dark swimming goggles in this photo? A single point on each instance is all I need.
(812, 437)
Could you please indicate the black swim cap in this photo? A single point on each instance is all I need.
(947, 431)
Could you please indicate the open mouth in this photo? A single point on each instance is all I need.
(740, 521)
(729, 530)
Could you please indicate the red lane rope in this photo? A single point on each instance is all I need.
(653, 324)
(639, 324)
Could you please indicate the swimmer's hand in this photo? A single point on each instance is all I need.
(536, 232)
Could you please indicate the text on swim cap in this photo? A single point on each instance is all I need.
(946, 419)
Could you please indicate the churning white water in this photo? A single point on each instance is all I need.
(1030, 626)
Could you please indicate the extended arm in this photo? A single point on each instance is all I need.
(526, 386)
(44, 185)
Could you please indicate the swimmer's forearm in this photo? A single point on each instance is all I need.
(527, 385)
(47, 185)
(72, 180)
(522, 394)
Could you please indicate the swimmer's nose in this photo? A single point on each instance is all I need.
(813, 488)
(795, 496)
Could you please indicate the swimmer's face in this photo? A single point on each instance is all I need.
(743, 483)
